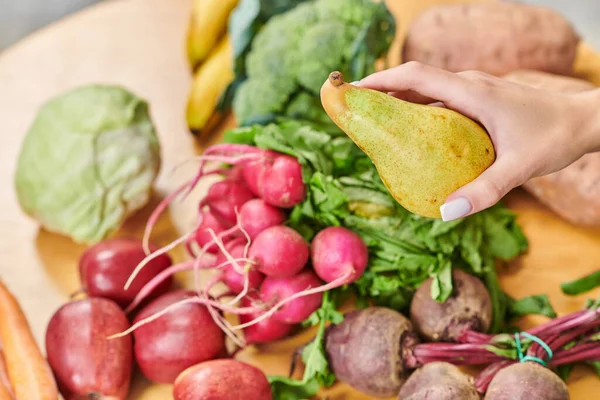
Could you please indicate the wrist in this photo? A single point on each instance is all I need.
(588, 103)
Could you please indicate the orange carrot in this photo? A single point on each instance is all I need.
(29, 373)
(6, 392)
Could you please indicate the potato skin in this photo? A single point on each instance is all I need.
(439, 381)
(573, 192)
(469, 307)
(366, 350)
(526, 381)
(493, 37)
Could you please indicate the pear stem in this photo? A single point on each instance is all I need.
(336, 78)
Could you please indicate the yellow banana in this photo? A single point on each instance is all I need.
(210, 81)
(208, 23)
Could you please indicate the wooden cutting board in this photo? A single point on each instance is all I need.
(140, 44)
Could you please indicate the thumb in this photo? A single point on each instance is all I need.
(485, 191)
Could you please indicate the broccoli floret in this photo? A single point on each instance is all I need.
(295, 51)
(259, 100)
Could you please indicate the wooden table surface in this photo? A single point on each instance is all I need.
(140, 44)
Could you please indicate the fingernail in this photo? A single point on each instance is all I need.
(355, 83)
(455, 209)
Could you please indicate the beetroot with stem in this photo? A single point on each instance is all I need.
(267, 330)
(526, 381)
(85, 363)
(438, 381)
(469, 308)
(105, 267)
(177, 340)
(274, 290)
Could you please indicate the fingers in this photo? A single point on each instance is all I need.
(412, 96)
(485, 191)
(455, 90)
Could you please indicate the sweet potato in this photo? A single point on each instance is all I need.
(573, 192)
(493, 37)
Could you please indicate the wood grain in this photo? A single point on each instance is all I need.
(140, 44)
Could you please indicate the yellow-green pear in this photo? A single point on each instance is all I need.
(422, 153)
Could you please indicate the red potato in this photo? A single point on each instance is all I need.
(468, 308)
(266, 331)
(177, 340)
(279, 251)
(222, 380)
(274, 290)
(105, 267)
(85, 363)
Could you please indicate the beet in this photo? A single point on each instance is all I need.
(85, 363)
(468, 308)
(438, 381)
(177, 340)
(222, 380)
(526, 381)
(366, 350)
(105, 267)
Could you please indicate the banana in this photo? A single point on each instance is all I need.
(210, 81)
(208, 23)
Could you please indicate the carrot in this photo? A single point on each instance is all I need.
(29, 373)
(5, 388)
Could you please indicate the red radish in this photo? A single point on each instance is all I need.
(265, 331)
(222, 380)
(279, 251)
(281, 183)
(253, 170)
(184, 336)
(209, 221)
(233, 279)
(338, 254)
(274, 290)
(85, 363)
(256, 216)
(105, 267)
(225, 197)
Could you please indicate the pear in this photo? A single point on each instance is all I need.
(422, 153)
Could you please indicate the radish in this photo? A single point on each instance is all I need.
(225, 197)
(274, 290)
(253, 170)
(339, 255)
(438, 381)
(236, 281)
(85, 363)
(184, 336)
(222, 380)
(105, 267)
(256, 216)
(468, 308)
(527, 381)
(279, 251)
(202, 237)
(265, 331)
(281, 183)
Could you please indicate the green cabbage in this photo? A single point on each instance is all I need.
(88, 161)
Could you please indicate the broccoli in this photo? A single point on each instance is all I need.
(295, 51)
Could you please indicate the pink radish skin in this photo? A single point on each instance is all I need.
(105, 267)
(336, 252)
(177, 340)
(281, 184)
(256, 216)
(274, 290)
(252, 171)
(225, 197)
(234, 280)
(266, 331)
(279, 251)
(210, 221)
(222, 380)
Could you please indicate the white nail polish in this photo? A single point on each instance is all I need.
(355, 83)
(455, 209)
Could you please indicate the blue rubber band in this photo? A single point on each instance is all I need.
(522, 357)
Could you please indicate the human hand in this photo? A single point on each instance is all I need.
(534, 132)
